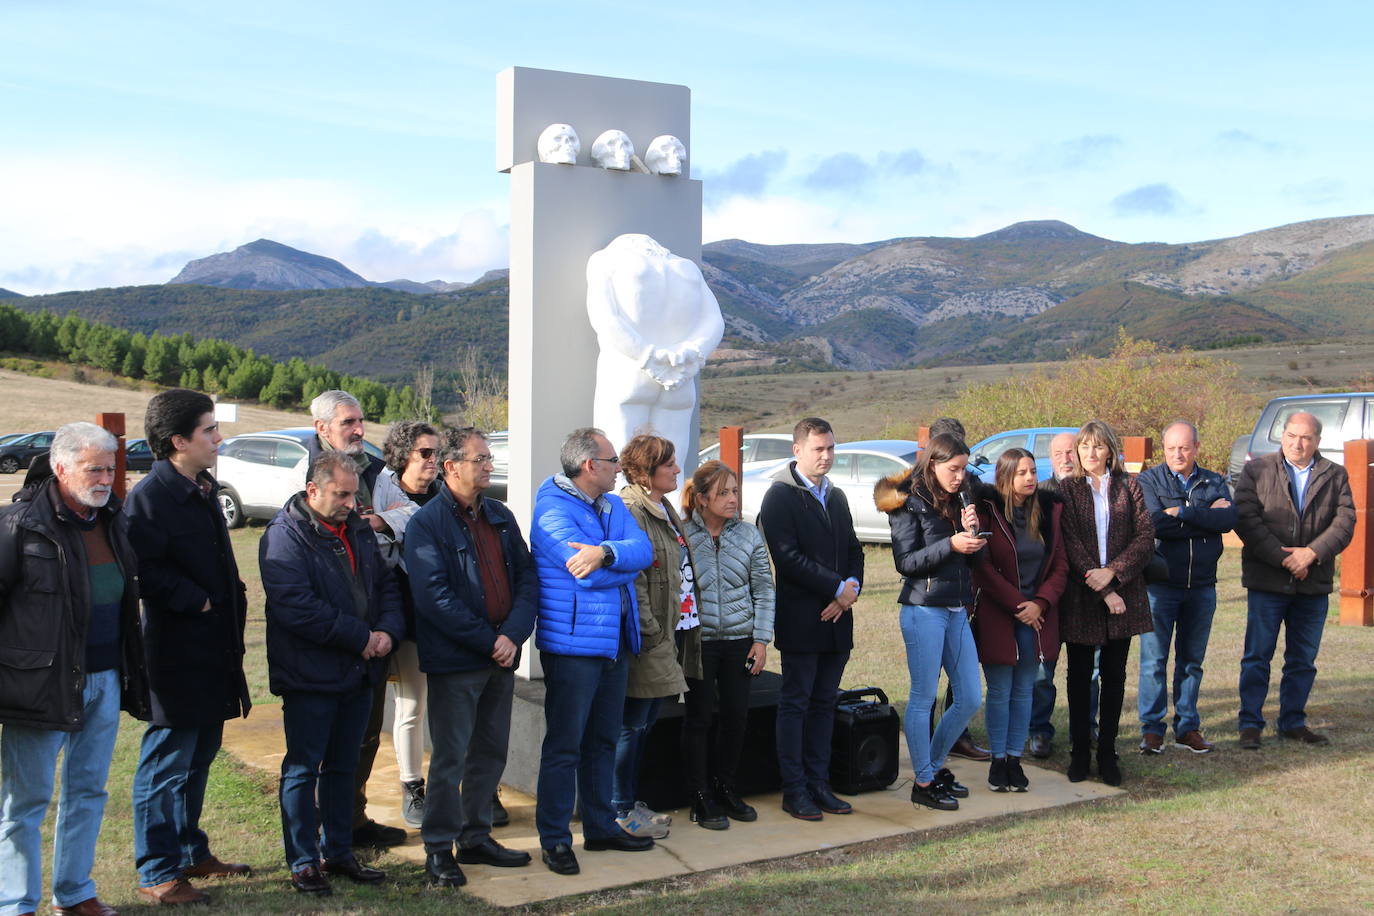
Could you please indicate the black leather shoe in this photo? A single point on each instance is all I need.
(828, 802)
(375, 834)
(622, 843)
(706, 813)
(350, 868)
(933, 796)
(561, 860)
(443, 871)
(308, 880)
(736, 808)
(952, 786)
(1041, 747)
(490, 852)
(801, 807)
(500, 817)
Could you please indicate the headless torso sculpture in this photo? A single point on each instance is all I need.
(656, 322)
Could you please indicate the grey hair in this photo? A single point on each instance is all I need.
(71, 440)
(577, 448)
(454, 446)
(1189, 424)
(327, 403)
(329, 464)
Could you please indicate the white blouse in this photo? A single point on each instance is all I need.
(1101, 512)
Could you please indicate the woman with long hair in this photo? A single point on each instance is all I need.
(934, 541)
(669, 623)
(1019, 583)
(1108, 539)
(735, 583)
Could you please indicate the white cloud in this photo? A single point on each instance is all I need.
(82, 223)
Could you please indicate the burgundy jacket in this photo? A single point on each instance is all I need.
(997, 581)
(1083, 616)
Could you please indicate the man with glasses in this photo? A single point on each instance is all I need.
(588, 550)
(476, 595)
(72, 658)
(339, 428)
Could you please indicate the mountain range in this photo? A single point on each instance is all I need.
(1032, 290)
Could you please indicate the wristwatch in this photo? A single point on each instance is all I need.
(607, 556)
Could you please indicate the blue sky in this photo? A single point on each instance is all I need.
(138, 135)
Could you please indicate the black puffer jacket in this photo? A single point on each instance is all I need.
(45, 607)
(935, 574)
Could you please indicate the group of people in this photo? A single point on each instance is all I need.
(1001, 573)
(402, 567)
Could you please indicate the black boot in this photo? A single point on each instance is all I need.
(706, 813)
(736, 808)
(1078, 763)
(1107, 766)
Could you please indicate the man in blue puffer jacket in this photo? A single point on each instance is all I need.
(1191, 509)
(588, 551)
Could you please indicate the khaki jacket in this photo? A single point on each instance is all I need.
(659, 669)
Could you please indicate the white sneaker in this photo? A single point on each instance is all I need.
(634, 825)
(644, 812)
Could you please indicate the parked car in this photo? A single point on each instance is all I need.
(10, 437)
(259, 472)
(760, 450)
(984, 454)
(858, 466)
(138, 455)
(499, 443)
(20, 452)
(1344, 416)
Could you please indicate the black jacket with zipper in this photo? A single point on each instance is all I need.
(934, 573)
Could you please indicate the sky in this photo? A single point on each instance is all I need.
(136, 136)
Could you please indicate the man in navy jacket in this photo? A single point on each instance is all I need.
(1191, 508)
(333, 615)
(476, 594)
(194, 608)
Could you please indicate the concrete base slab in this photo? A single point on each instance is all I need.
(258, 742)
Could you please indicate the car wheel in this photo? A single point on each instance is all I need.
(9, 464)
(231, 507)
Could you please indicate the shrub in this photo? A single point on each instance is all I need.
(1139, 389)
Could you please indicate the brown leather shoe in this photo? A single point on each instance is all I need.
(1194, 742)
(214, 868)
(1249, 739)
(1305, 735)
(173, 893)
(1151, 743)
(966, 749)
(91, 906)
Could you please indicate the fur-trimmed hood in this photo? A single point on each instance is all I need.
(890, 493)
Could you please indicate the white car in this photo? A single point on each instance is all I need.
(259, 472)
(858, 466)
(760, 450)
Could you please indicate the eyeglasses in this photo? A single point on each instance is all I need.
(480, 459)
(614, 459)
(426, 453)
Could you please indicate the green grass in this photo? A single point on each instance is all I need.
(1288, 829)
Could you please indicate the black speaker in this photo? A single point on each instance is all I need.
(863, 756)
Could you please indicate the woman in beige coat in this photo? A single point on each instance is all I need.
(669, 627)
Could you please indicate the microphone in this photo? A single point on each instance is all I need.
(964, 503)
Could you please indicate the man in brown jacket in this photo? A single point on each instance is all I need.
(1295, 514)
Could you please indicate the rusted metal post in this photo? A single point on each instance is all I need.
(1357, 562)
(1138, 451)
(114, 422)
(732, 454)
(923, 436)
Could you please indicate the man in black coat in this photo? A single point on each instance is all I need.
(820, 569)
(333, 616)
(194, 612)
(339, 428)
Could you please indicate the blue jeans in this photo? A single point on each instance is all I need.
(28, 759)
(584, 705)
(1043, 699)
(323, 734)
(806, 717)
(169, 792)
(1008, 706)
(938, 637)
(640, 715)
(1303, 618)
(1183, 616)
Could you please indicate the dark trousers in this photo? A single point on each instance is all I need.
(169, 792)
(806, 717)
(724, 686)
(584, 705)
(1112, 674)
(367, 752)
(469, 724)
(323, 731)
